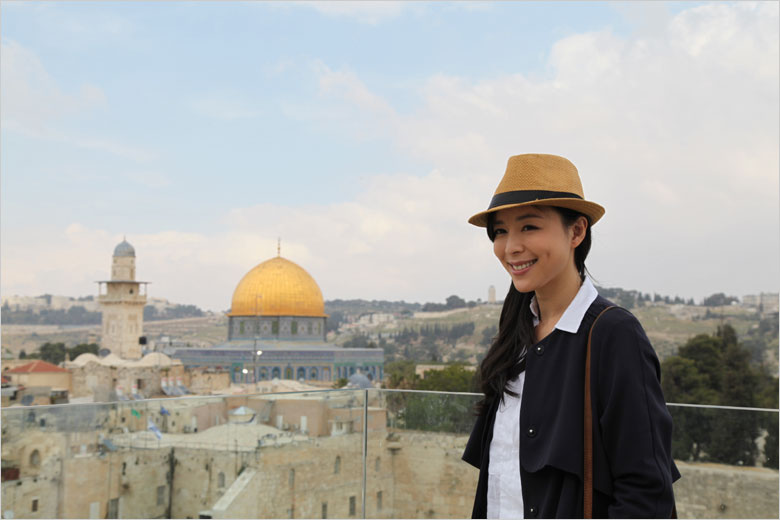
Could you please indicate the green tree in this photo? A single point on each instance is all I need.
(454, 378)
(438, 412)
(401, 374)
(53, 352)
(82, 348)
(717, 369)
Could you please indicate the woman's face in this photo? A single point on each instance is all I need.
(535, 247)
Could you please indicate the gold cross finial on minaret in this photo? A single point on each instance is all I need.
(279, 246)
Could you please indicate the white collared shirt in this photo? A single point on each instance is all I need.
(504, 493)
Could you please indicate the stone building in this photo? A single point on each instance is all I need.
(87, 461)
(155, 375)
(276, 330)
(122, 300)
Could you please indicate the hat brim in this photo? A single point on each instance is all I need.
(592, 210)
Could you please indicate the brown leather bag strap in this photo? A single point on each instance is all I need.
(588, 431)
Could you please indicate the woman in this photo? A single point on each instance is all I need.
(528, 438)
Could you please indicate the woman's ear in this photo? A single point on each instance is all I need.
(578, 230)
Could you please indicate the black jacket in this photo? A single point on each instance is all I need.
(633, 469)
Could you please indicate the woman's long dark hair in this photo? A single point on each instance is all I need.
(506, 357)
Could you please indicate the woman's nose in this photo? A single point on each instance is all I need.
(514, 244)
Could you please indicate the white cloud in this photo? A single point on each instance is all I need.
(34, 105)
(31, 98)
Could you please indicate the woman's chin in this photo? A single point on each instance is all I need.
(523, 286)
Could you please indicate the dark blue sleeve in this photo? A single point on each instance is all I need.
(634, 423)
(474, 447)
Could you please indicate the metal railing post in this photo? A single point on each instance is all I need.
(365, 449)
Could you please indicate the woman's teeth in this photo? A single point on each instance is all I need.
(520, 267)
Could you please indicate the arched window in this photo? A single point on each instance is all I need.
(35, 458)
(337, 465)
(288, 373)
(313, 374)
(276, 372)
(221, 480)
(301, 373)
(263, 374)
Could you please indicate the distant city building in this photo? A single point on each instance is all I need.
(122, 302)
(491, 294)
(767, 302)
(276, 329)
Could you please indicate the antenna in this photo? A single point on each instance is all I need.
(279, 246)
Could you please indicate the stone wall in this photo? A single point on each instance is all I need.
(204, 383)
(721, 491)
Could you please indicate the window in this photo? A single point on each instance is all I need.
(35, 458)
(378, 500)
(294, 327)
(34, 506)
(324, 510)
(160, 495)
(221, 480)
(124, 468)
(352, 506)
(241, 327)
(275, 327)
(113, 508)
(291, 478)
(337, 465)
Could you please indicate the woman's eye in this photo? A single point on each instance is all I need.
(499, 231)
(529, 228)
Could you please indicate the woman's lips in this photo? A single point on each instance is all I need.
(521, 267)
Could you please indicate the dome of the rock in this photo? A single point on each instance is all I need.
(277, 287)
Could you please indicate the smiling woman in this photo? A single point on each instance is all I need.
(571, 431)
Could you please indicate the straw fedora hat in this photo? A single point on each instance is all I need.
(537, 179)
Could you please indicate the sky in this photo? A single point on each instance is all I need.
(365, 135)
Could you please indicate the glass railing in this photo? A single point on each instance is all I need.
(322, 454)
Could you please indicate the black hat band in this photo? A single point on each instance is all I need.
(522, 196)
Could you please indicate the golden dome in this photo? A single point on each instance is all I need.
(277, 287)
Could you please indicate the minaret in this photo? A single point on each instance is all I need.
(122, 304)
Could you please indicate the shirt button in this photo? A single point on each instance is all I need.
(531, 432)
(532, 512)
(539, 350)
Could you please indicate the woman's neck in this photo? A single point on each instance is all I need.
(554, 298)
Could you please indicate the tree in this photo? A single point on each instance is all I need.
(53, 353)
(82, 348)
(22, 354)
(717, 369)
(454, 378)
(718, 299)
(401, 374)
(455, 302)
